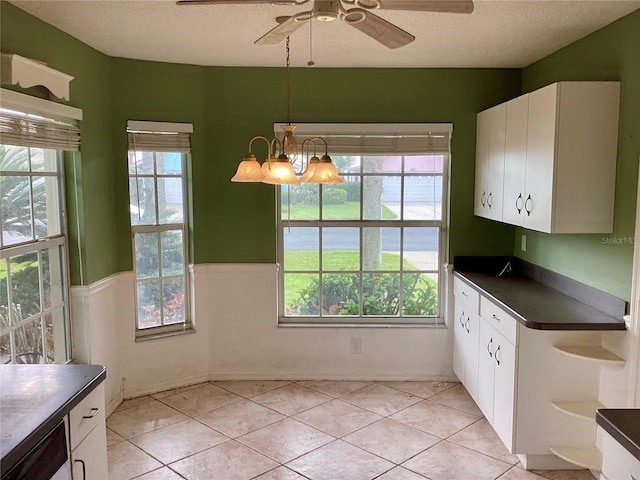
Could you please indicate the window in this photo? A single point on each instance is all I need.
(369, 250)
(158, 210)
(34, 307)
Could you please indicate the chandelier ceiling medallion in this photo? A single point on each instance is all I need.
(290, 163)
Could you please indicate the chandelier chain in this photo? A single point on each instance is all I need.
(288, 85)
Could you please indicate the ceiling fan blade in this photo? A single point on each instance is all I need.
(282, 31)
(379, 29)
(446, 6)
(241, 2)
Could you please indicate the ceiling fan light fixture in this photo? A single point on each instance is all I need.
(326, 10)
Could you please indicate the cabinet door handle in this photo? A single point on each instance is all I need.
(527, 205)
(482, 199)
(464, 294)
(496, 356)
(466, 324)
(519, 207)
(489, 347)
(84, 468)
(495, 318)
(461, 320)
(94, 412)
(489, 200)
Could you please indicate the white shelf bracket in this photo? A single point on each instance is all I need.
(17, 70)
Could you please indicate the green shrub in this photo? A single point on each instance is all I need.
(353, 191)
(305, 194)
(380, 295)
(334, 196)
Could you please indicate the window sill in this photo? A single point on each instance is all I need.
(143, 337)
(290, 323)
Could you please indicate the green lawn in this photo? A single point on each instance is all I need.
(343, 211)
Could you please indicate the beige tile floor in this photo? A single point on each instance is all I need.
(317, 430)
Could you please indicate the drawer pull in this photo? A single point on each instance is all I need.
(496, 356)
(495, 318)
(94, 412)
(489, 347)
(84, 468)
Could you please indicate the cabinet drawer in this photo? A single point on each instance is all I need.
(499, 319)
(470, 297)
(86, 415)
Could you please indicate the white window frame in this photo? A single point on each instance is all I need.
(40, 109)
(384, 131)
(161, 138)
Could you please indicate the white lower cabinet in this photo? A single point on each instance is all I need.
(617, 462)
(496, 380)
(88, 437)
(466, 333)
(520, 375)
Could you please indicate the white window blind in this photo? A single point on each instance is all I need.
(382, 139)
(26, 130)
(159, 136)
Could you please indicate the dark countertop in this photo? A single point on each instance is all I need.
(34, 398)
(623, 425)
(539, 306)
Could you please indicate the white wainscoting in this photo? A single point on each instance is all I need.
(237, 337)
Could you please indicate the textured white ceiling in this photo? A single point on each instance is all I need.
(499, 33)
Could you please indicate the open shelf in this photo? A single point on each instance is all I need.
(584, 410)
(585, 457)
(591, 353)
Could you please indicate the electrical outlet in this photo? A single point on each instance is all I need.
(355, 345)
(523, 247)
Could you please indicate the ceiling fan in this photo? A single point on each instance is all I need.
(357, 13)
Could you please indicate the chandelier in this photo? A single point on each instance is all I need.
(290, 167)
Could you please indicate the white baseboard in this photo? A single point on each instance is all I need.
(305, 375)
(165, 385)
(114, 403)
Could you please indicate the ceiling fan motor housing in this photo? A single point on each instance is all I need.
(326, 10)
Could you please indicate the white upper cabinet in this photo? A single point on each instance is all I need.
(515, 161)
(490, 162)
(559, 165)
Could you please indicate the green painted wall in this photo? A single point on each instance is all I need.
(90, 91)
(602, 261)
(235, 223)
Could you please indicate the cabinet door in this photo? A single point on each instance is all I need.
(504, 389)
(486, 369)
(495, 172)
(541, 137)
(483, 130)
(459, 338)
(515, 160)
(472, 337)
(89, 459)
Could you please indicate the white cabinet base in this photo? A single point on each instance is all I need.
(545, 462)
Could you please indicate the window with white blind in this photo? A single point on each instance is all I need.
(370, 250)
(158, 211)
(34, 307)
